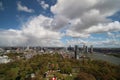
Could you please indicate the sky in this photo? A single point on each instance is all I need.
(60, 23)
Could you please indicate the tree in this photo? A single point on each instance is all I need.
(12, 73)
(65, 67)
(84, 76)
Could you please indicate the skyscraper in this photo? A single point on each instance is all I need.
(91, 49)
(86, 49)
(76, 51)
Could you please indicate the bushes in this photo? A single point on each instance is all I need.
(84, 76)
(65, 67)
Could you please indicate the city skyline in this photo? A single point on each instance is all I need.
(60, 23)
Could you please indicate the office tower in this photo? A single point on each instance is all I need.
(91, 49)
(76, 51)
(27, 48)
(69, 48)
(86, 49)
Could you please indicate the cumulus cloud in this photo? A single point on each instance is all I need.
(76, 34)
(76, 18)
(23, 8)
(67, 8)
(74, 42)
(11, 37)
(86, 15)
(106, 7)
(37, 28)
(59, 22)
(107, 43)
(32, 33)
(43, 4)
(113, 26)
(1, 6)
(113, 34)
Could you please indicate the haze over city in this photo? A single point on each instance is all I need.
(60, 23)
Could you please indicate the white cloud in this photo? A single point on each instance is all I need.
(76, 18)
(32, 33)
(37, 27)
(76, 34)
(87, 16)
(1, 6)
(74, 42)
(11, 37)
(108, 43)
(43, 4)
(113, 26)
(106, 7)
(110, 34)
(24, 8)
(113, 34)
(72, 8)
(59, 22)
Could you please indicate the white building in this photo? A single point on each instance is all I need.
(4, 59)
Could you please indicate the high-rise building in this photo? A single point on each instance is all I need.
(28, 48)
(91, 49)
(70, 48)
(86, 49)
(76, 51)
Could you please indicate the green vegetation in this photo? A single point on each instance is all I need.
(115, 54)
(14, 55)
(64, 69)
